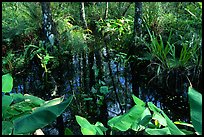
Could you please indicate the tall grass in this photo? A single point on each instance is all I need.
(164, 52)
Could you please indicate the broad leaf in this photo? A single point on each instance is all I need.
(195, 100)
(6, 101)
(41, 116)
(7, 83)
(153, 108)
(142, 121)
(124, 122)
(86, 127)
(159, 118)
(138, 101)
(7, 127)
(162, 131)
(172, 127)
(17, 97)
(101, 126)
(35, 100)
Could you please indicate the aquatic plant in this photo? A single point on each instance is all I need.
(149, 119)
(24, 114)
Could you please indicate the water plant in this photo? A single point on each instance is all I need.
(149, 119)
(24, 114)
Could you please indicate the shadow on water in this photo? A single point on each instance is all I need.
(173, 101)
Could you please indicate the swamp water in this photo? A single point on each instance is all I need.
(174, 105)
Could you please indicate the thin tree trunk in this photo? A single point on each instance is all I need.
(50, 36)
(111, 74)
(82, 13)
(136, 34)
(84, 69)
(106, 11)
(48, 26)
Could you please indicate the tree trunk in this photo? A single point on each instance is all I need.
(82, 13)
(84, 69)
(48, 25)
(106, 39)
(106, 11)
(50, 36)
(133, 48)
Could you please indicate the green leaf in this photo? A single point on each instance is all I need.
(68, 132)
(7, 127)
(86, 127)
(104, 90)
(138, 101)
(187, 132)
(172, 127)
(41, 116)
(101, 126)
(153, 108)
(160, 118)
(87, 99)
(6, 101)
(86, 131)
(35, 100)
(162, 131)
(7, 83)
(195, 100)
(183, 123)
(142, 121)
(17, 97)
(124, 122)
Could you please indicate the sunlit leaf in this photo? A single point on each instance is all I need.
(7, 83)
(86, 127)
(138, 101)
(41, 116)
(195, 100)
(161, 120)
(124, 122)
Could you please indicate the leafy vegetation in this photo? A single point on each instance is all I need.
(150, 119)
(24, 114)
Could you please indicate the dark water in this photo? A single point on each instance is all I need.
(174, 105)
